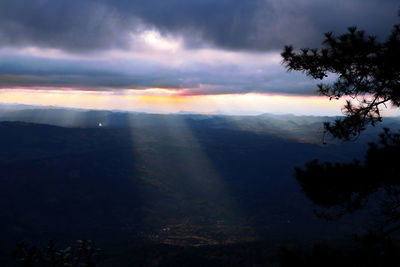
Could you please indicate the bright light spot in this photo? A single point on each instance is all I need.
(157, 41)
(100, 124)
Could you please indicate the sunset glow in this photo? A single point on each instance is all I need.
(169, 101)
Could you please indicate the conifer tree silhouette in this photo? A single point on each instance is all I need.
(367, 71)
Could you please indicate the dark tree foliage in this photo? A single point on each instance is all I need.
(384, 255)
(367, 71)
(342, 188)
(82, 255)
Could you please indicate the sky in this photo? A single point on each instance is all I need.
(206, 56)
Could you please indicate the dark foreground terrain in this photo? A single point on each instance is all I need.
(172, 180)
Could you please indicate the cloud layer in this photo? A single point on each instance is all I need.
(196, 46)
(258, 24)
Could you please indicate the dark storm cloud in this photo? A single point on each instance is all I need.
(88, 25)
(24, 71)
(87, 30)
(70, 25)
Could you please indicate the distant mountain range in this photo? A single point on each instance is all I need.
(300, 128)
